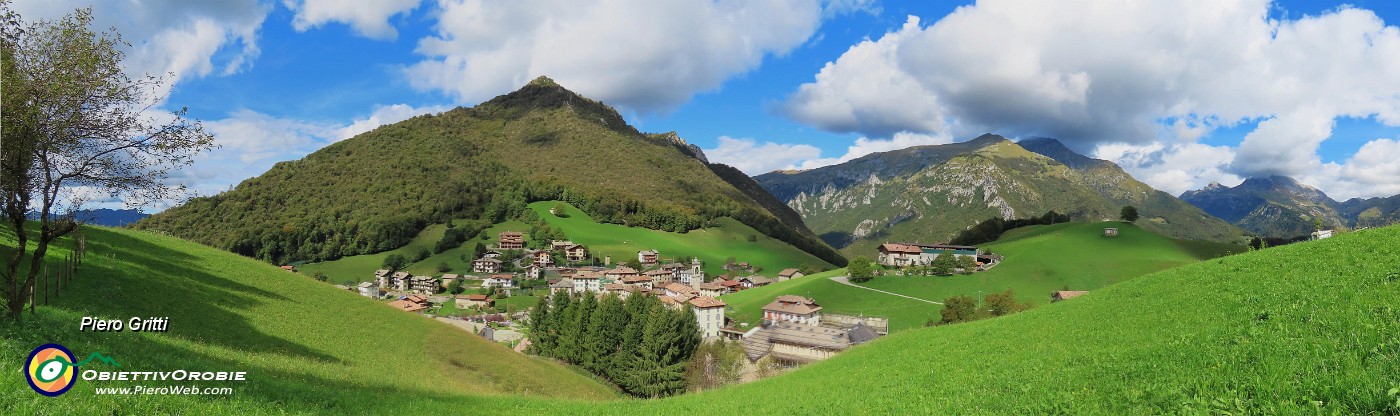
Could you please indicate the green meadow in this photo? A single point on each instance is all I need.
(713, 245)
(307, 346)
(1308, 328)
(1069, 256)
(354, 269)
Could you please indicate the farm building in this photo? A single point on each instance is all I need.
(905, 254)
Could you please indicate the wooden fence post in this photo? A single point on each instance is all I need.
(46, 284)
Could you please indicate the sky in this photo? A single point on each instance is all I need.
(1181, 93)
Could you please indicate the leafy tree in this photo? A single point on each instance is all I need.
(960, 308)
(860, 269)
(633, 263)
(943, 264)
(455, 287)
(421, 254)
(73, 119)
(715, 364)
(967, 263)
(320, 276)
(1129, 214)
(560, 210)
(1004, 303)
(394, 262)
(443, 267)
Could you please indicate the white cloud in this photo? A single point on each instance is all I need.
(1092, 72)
(640, 55)
(369, 18)
(865, 145)
(1173, 168)
(386, 114)
(1371, 172)
(753, 158)
(188, 38)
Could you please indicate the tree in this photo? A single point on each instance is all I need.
(478, 251)
(943, 264)
(320, 276)
(1129, 214)
(455, 287)
(444, 267)
(560, 210)
(633, 263)
(73, 122)
(859, 268)
(958, 309)
(394, 262)
(967, 263)
(421, 254)
(715, 364)
(1004, 303)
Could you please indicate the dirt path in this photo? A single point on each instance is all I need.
(846, 280)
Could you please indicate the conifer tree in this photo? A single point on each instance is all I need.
(540, 327)
(605, 329)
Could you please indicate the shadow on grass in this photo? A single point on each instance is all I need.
(126, 277)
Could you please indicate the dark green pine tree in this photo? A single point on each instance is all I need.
(668, 340)
(559, 319)
(576, 329)
(604, 330)
(540, 328)
(635, 312)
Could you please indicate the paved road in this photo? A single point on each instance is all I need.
(845, 280)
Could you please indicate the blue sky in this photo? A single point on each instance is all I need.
(1295, 88)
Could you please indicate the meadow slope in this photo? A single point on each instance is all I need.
(1309, 328)
(306, 346)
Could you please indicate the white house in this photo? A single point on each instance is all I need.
(692, 276)
(499, 280)
(1321, 234)
(587, 281)
(709, 315)
(369, 290)
(795, 309)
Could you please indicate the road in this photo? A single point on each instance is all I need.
(846, 280)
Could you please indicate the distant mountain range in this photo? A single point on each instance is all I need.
(105, 217)
(930, 193)
(1279, 206)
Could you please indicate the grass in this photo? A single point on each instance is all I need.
(1069, 256)
(307, 347)
(1308, 328)
(1039, 260)
(712, 245)
(747, 305)
(355, 269)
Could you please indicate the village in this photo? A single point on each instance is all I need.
(794, 330)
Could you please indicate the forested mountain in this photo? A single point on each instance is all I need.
(930, 193)
(1281, 207)
(375, 191)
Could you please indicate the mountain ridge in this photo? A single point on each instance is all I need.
(374, 192)
(1281, 207)
(929, 193)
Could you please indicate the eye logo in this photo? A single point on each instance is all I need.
(50, 370)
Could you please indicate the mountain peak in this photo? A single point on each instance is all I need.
(988, 139)
(1053, 149)
(542, 81)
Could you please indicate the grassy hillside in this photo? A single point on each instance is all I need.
(361, 268)
(375, 191)
(1039, 260)
(712, 245)
(1068, 256)
(307, 347)
(1309, 328)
